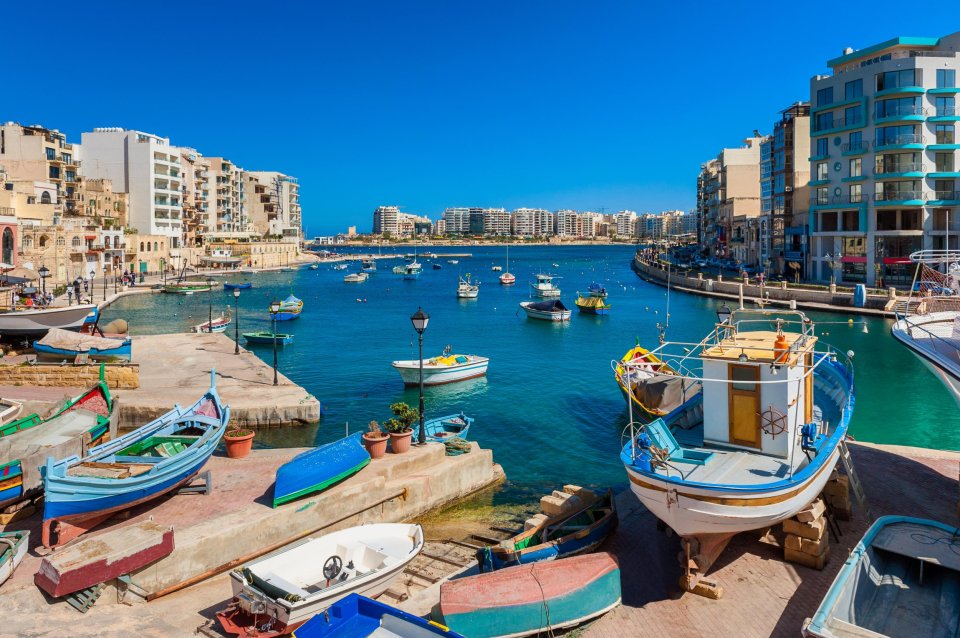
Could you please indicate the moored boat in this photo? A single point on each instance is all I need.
(446, 368)
(187, 287)
(246, 285)
(38, 322)
(355, 278)
(83, 491)
(412, 270)
(597, 290)
(497, 268)
(546, 310)
(544, 287)
(67, 344)
(260, 338)
(576, 532)
(290, 308)
(368, 266)
(357, 616)
(13, 547)
(317, 469)
(437, 267)
(340, 266)
(467, 289)
(901, 580)
(275, 595)
(657, 391)
(314, 267)
(219, 324)
(526, 600)
(446, 428)
(9, 410)
(591, 305)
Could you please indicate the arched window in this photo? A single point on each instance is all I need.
(45, 197)
(27, 243)
(61, 241)
(148, 246)
(156, 245)
(43, 241)
(77, 242)
(6, 251)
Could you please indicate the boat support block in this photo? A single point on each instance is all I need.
(698, 555)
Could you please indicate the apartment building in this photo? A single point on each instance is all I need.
(148, 168)
(728, 187)
(883, 159)
(626, 223)
(496, 222)
(196, 197)
(532, 222)
(788, 230)
(456, 221)
(568, 223)
(229, 214)
(102, 204)
(38, 154)
(385, 220)
(273, 204)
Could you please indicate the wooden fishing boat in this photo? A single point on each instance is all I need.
(290, 309)
(591, 305)
(261, 338)
(240, 286)
(357, 616)
(65, 344)
(13, 547)
(275, 595)
(529, 599)
(85, 420)
(447, 368)
(657, 391)
(38, 322)
(83, 491)
(901, 580)
(544, 287)
(219, 324)
(317, 469)
(546, 310)
(776, 411)
(597, 290)
(107, 556)
(577, 532)
(187, 287)
(446, 428)
(467, 289)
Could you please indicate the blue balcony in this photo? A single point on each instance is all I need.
(901, 90)
(945, 198)
(899, 198)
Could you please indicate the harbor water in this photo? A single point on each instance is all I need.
(549, 407)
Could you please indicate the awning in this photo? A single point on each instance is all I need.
(853, 260)
(90, 237)
(896, 260)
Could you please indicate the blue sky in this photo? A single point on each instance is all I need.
(583, 105)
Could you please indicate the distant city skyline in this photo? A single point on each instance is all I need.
(438, 105)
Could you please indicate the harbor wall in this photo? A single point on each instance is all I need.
(117, 375)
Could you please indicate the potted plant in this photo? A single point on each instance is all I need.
(399, 427)
(238, 442)
(375, 440)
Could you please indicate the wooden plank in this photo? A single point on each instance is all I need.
(444, 559)
(20, 514)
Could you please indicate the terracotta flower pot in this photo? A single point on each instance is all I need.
(376, 445)
(400, 441)
(238, 443)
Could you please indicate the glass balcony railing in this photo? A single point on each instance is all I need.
(948, 111)
(897, 196)
(946, 195)
(899, 167)
(855, 146)
(900, 140)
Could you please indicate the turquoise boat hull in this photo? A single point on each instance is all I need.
(317, 469)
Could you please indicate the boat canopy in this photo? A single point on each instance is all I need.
(548, 306)
(291, 300)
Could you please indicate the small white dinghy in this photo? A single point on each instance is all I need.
(13, 547)
(277, 594)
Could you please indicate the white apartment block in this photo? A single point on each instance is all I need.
(626, 223)
(385, 220)
(145, 166)
(532, 222)
(567, 223)
(456, 221)
(229, 215)
(883, 167)
(496, 221)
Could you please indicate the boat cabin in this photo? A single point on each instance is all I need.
(759, 386)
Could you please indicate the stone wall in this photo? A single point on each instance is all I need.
(118, 375)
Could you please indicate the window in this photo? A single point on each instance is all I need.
(51, 153)
(892, 135)
(946, 78)
(886, 220)
(851, 219)
(823, 121)
(910, 220)
(825, 96)
(27, 243)
(944, 189)
(897, 107)
(828, 222)
(897, 163)
(823, 171)
(156, 246)
(61, 241)
(944, 133)
(853, 89)
(898, 79)
(43, 241)
(946, 106)
(855, 141)
(856, 167)
(944, 162)
(851, 116)
(76, 243)
(896, 191)
(45, 197)
(822, 197)
(856, 196)
(54, 172)
(823, 148)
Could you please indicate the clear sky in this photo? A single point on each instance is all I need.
(558, 104)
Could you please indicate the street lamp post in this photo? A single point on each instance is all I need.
(236, 321)
(93, 291)
(44, 272)
(274, 309)
(420, 319)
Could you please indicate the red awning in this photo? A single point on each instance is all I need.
(853, 260)
(896, 260)
(90, 237)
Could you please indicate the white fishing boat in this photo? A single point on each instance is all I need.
(355, 278)
(277, 594)
(453, 261)
(340, 266)
(447, 368)
(412, 270)
(219, 324)
(544, 287)
(368, 266)
(497, 268)
(546, 310)
(507, 279)
(9, 410)
(13, 548)
(35, 322)
(930, 322)
(775, 412)
(467, 289)
(901, 580)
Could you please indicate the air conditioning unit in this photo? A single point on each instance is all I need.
(788, 189)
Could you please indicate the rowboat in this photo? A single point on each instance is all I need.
(317, 469)
(275, 595)
(546, 310)
(219, 324)
(83, 491)
(187, 287)
(25, 444)
(591, 305)
(357, 616)
(902, 579)
(775, 413)
(447, 368)
(13, 547)
(314, 267)
(657, 391)
(260, 338)
(445, 428)
(38, 322)
(340, 266)
(290, 308)
(355, 278)
(577, 532)
(242, 286)
(437, 267)
(544, 287)
(529, 599)
(467, 289)
(67, 344)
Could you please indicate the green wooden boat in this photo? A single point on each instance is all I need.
(260, 338)
(187, 287)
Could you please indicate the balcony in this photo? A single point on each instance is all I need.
(837, 201)
(905, 114)
(900, 90)
(945, 197)
(901, 141)
(899, 170)
(840, 124)
(899, 198)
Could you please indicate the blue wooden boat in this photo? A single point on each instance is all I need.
(529, 599)
(317, 469)
(357, 616)
(244, 286)
(67, 345)
(260, 338)
(82, 492)
(901, 580)
(290, 309)
(579, 532)
(445, 428)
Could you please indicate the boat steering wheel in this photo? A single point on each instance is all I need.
(773, 421)
(332, 567)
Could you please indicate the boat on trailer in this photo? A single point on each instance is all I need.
(901, 580)
(776, 411)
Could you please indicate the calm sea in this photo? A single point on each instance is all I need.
(549, 407)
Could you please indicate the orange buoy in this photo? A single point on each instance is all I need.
(781, 348)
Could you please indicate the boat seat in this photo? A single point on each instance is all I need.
(662, 437)
(93, 469)
(284, 585)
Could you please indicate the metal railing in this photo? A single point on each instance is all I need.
(898, 167)
(901, 139)
(855, 146)
(897, 196)
(948, 111)
(946, 195)
(893, 112)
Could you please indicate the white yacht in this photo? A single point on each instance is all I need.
(544, 286)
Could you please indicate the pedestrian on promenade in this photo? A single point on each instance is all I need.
(69, 296)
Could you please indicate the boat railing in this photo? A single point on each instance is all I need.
(949, 343)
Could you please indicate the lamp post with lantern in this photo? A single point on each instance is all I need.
(44, 272)
(420, 319)
(236, 321)
(274, 309)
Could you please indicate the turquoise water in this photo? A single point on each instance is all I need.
(549, 407)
